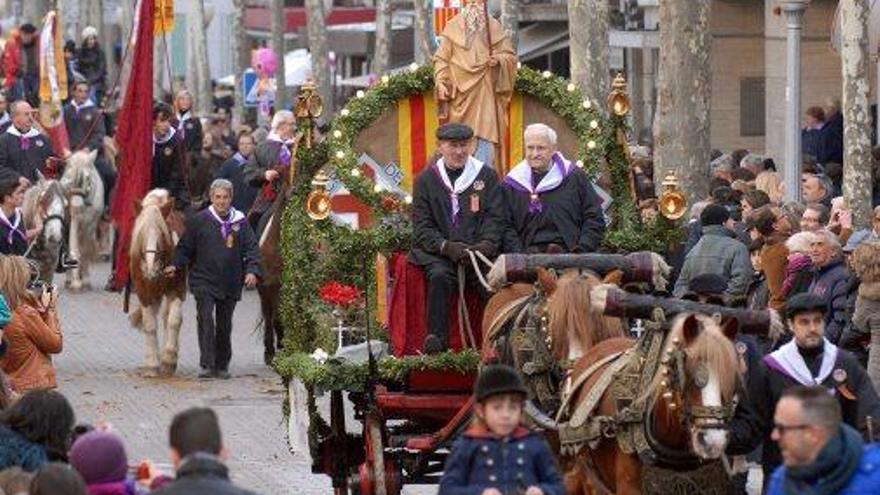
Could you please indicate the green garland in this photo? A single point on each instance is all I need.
(334, 375)
(316, 252)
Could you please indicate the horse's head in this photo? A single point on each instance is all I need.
(78, 179)
(47, 202)
(152, 244)
(696, 383)
(573, 327)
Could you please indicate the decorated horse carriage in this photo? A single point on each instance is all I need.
(353, 308)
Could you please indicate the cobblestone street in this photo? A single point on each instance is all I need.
(98, 373)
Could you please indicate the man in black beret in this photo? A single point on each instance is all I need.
(809, 359)
(718, 251)
(457, 205)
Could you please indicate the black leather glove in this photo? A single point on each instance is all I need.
(485, 247)
(453, 250)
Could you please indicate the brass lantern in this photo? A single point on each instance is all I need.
(673, 203)
(308, 108)
(618, 100)
(318, 205)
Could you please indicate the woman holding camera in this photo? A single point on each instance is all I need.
(34, 333)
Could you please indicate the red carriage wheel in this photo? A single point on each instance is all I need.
(377, 475)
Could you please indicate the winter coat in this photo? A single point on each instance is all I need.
(12, 61)
(201, 474)
(92, 64)
(26, 159)
(16, 450)
(830, 148)
(244, 194)
(33, 336)
(810, 141)
(718, 251)
(798, 275)
(127, 487)
(865, 481)
(758, 295)
(830, 283)
(867, 320)
(479, 461)
(774, 260)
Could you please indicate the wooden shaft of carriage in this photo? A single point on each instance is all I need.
(625, 304)
(636, 267)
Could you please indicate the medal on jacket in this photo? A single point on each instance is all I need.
(230, 241)
(840, 376)
(475, 203)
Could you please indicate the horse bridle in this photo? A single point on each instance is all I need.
(41, 200)
(676, 383)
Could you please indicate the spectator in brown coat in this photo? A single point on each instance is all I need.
(774, 228)
(34, 333)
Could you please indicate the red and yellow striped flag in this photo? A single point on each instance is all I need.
(444, 10)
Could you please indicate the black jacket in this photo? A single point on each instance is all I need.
(168, 170)
(216, 269)
(571, 216)
(79, 124)
(191, 130)
(14, 243)
(233, 171)
(25, 162)
(266, 156)
(202, 474)
(92, 64)
(481, 217)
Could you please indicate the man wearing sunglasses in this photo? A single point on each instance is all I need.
(821, 454)
(810, 360)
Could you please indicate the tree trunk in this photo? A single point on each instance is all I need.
(159, 73)
(588, 30)
(203, 95)
(510, 10)
(423, 31)
(681, 124)
(317, 34)
(91, 13)
(857, 166)
(240, 60)
(34, 10)
(281, 98)
(69, 10)
(382, 51)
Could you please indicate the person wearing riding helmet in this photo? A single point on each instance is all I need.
(497, 455)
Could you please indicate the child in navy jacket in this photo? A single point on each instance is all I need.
(497, 455)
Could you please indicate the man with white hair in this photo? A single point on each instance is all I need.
(269, 166)
(220, 250)
(552, 206)
(830, 281)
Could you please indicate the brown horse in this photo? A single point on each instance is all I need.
(270, 284)
(686, 404)
(157, 229)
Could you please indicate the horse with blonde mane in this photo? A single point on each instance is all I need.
(85, 190)
(678, 419)
(46, 203)
(157, 229)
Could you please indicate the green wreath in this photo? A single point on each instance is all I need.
(316, 252)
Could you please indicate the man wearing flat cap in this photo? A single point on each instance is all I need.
(809, 359)
(457, 206)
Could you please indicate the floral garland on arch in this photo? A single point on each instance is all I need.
(317, 253)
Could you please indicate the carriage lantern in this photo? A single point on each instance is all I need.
(618, 100)
(318, 205)
(309, 107)
(673, 203)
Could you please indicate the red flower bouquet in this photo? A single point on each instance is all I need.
(340, 295)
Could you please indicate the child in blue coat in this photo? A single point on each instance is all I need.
(497, 455)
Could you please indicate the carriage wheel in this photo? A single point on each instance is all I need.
(377, 475)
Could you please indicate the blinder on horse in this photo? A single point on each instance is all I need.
(676, 384)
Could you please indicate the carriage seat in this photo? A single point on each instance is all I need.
(407, 311)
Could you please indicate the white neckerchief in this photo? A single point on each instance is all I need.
(276, 138)
(522, 175)
(5, 118)
(790, 359)
(86, 104)
(33, 132)
(165, 139)
(183, 117)
(13, 225)
(226, 226)
(468, 175)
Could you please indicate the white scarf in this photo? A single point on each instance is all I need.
(33, 132)
(522, 175)
(468, 175)
(276, 138)
(13, 225)
(5, 118)
(790, 359)
(86, 104)
(226, 226)
(166, 138)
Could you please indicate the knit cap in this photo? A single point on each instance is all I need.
(99, 457)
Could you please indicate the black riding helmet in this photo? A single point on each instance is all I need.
(498, 379)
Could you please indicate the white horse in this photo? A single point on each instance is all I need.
(86, 192)
(154, 237)
(46, 201)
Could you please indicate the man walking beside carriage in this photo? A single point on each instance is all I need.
(269, 167)
(457, 206)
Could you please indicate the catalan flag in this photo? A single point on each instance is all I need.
(444, 10)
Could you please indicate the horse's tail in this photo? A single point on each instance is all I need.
(136, 317)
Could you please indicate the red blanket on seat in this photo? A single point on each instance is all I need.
(407, 320)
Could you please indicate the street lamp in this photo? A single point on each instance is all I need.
(794, 20)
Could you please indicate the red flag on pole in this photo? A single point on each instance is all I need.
(134, 135)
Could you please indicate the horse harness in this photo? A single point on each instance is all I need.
(628, 376)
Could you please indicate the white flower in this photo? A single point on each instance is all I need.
(337, 134)
(320, 355)
(344, 112)
(360, 93)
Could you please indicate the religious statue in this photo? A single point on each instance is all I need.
(474, 74)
